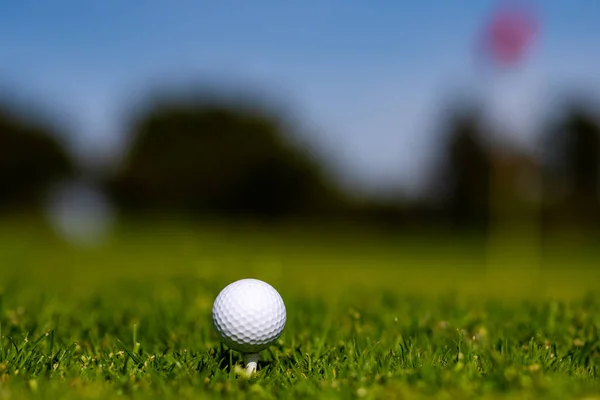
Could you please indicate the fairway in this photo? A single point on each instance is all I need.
(368, 315)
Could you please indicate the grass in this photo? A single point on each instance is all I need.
(369, 316)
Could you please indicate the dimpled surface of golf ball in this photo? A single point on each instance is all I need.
(249, 315)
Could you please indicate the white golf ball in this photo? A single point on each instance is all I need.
(249, 315)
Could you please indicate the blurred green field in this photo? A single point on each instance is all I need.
(370, 315)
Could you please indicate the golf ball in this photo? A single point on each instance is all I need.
(249, 315)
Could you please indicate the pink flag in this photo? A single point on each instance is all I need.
(509, 34)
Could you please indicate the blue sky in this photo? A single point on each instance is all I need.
(369, 79)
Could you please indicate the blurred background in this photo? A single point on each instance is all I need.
(420, 121)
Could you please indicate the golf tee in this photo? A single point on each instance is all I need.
(251, 361)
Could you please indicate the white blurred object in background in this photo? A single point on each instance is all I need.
(80, 214)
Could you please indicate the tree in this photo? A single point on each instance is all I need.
(464, 175)
(572, 161)
(31, 159)
(201, 155)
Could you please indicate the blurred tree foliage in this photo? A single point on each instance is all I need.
(572, 166)
(462, 181)
(31, 159)
(201, 155)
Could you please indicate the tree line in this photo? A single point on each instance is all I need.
(197, 155)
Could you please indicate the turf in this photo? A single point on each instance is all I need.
(369, 316)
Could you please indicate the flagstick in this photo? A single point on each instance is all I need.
(500, 251)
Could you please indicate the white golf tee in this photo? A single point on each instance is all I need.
(251, 361)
